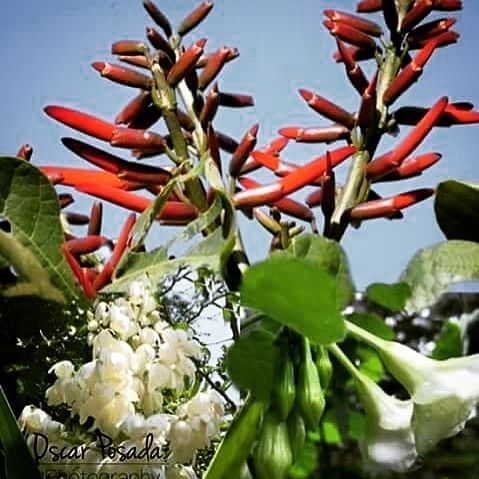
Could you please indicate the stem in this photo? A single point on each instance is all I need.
(344, 360)
(364, 335)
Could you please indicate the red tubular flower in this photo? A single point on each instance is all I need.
(355, 21)
(353, 70)
(123, 76)
(82, 122)
(442, 40)
(77, 270)
(25, 152)
(74, 176)
(96, 216)
(285, 205)
(158, 17)
(213, 66)
(388, 207)
(214, 148)
(195, 17)
(65, 199)
(390, 161)
(159, 42)
(86, 245)
(349, 34)
(431, 29)
(210, 107)
(273, 148)
(128, 48)
(304, 175)
(328, 190)
(139, 139)
(258, 196)
(235, 100)
(134, 108)
(136, 60)
(369, 6)
(77, 219)
(232, 54)
(409, 74)
(123, 240)
(273, 163)
(173, 210)
(367, 109)
(447, 5)
(123, 169)
(321, 134)
(328, 109)
(241, 154)
(185, 63)
(356, 53)
(411, 167)
(419, 11)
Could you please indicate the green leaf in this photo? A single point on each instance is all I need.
(373, 323)
(18, 460)
(328, 255)
(235, 447)
(456, 205)
(389, 296)
(432, 270)
(250, 362)
(296, 293)
(306, 462)
(449, 343)
(370, 363)
(29, 202)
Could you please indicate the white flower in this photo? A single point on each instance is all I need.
(63, 369)
(388, 440)
(33, 419)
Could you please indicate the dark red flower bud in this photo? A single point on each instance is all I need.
(245, 147)
(235, 100)
(226, 143)
(367, 109)
(442, 40)
(369, 6)
(140, 139)
(65, 199)
(431, 29)
(320, 134)
(353, 70)
(419, 11)
(447, 5)
(314, 198)
(134, 108)
(258, 196)
(123, 76)
(185, 63)
(210, 107)
(86, 245)
(214, 148)
(96, 217)
(195, 17)
(76, 219)
(328, 109)
(232, 54)
(412, 167)
(454, 114)
(25, 152)
(390, 14)
(158, 17)
(213, 67)
(159, 42)
(355, 21)
(350, 34)
(126, 170)
(356, 53)
(328, 191)
(146, 118)
(77, 270)
(128, 47)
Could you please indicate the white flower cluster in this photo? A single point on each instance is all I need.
(135, 390)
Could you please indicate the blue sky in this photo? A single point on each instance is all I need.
(47, 48)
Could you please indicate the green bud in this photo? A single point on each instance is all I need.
(284, 388)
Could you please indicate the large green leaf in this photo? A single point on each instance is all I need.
(456, 205)
(250, 362)
(297, 293)
(432, 270)
(328, 255)
(17, 458)
(389, 296)
(33, 247)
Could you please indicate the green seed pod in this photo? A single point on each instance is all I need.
(297, 432)
(273, 456)
(309, 394)
(284, 388)
(324, 365)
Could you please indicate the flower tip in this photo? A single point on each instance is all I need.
(306, 94)
(201, 43)
(99, 66)
(289, 132)
(329, 13)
